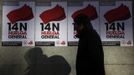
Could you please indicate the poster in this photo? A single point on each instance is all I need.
(51, 24)
(91, 9)
(116, 24)
(18, 24)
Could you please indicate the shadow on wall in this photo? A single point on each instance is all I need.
(39, 64)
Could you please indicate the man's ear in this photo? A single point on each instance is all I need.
(81, 27)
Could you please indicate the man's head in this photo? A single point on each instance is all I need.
(81, 21)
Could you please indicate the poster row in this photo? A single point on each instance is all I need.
(27, 24)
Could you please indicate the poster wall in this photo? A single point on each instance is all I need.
(116, 24)
(51, 24)
(91, 9)
(18, 24)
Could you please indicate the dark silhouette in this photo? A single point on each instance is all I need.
(90, 57)
(39, 64)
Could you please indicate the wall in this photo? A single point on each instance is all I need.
(118, 60)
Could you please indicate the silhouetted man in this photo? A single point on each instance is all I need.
(90, 57)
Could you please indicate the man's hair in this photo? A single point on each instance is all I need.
(82, 19)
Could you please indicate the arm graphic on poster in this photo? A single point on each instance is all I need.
(55, 14)
(90, 11)
(117, 14)
(24, 13)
